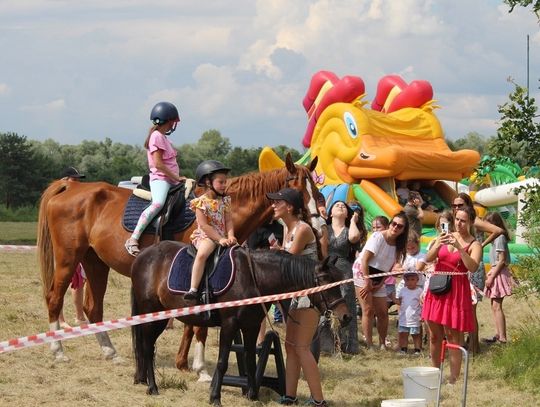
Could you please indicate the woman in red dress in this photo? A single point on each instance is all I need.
(451, 314)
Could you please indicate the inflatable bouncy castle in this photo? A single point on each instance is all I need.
(365, 152)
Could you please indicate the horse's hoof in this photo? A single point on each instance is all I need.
(204, 377)
(109, 353)
(140, 381)
(216, 403)
(152, 391)
(182, 367)
(118, 360)
(61, 358)
(253, 396)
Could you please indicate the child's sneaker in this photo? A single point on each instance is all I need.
(288, 400)
(313, 402)
(417, 352)
(403, 352)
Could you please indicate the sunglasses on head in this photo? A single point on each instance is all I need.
(397, 225)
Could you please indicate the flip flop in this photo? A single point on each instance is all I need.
(493, 339)
(132, 248)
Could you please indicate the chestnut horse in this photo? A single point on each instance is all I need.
(258, 273)
(82, 223)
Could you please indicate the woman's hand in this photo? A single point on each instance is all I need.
(368, 284)
(452, 241)
(354, 217)
(363, 292)
(231, 241)
(489, 280)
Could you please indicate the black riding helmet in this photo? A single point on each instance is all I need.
(163, 112)
(207, 168)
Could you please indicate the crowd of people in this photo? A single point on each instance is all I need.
(436, 290)
(439, 304)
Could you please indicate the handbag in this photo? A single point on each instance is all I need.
(373, 270)
(440, 284)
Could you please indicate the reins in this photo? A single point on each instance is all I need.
(258, 292)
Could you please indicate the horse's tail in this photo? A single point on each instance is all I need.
(44, 242)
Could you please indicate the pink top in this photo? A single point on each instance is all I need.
(159, 141)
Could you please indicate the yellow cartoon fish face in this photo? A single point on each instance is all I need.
(354, 143)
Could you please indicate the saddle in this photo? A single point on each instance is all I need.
(219, 272)
(175, 216)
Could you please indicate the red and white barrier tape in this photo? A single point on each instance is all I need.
(89, 329)
(16, 248)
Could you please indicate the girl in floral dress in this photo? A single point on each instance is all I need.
(214, 221)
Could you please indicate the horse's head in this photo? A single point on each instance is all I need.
(300, 178)
(331, 300)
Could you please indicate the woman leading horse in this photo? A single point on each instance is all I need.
(258, 273)
(82, 223)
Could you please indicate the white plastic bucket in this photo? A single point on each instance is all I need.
(404, 403)
(420, 382)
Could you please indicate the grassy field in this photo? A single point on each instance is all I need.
(30, 377)
(18, 233)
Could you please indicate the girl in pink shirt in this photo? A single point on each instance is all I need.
(164, 170)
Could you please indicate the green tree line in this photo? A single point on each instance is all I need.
(28, 166)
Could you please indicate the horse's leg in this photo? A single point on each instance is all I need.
(229, 328)
(150, 334)
(199, 364)
(97, 274)
(250, 334)
(55, 303)
(183, 351)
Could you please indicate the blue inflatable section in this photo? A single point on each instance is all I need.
(333, 193)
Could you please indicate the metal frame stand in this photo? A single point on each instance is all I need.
(446, 345)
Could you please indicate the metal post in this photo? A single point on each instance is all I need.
(446, 345)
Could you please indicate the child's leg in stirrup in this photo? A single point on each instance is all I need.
(206, 247)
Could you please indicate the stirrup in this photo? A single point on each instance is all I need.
(132, 248)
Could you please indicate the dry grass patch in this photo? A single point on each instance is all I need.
(30, 377)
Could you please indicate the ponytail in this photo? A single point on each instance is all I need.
(152, 129)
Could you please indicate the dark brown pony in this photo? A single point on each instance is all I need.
(82, 223)
(259, 273)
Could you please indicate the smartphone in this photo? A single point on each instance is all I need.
(272, 240)
(444, 227)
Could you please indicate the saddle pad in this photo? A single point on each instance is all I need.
(220, 281)
(177, 223)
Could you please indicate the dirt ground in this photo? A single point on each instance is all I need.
(30, 377)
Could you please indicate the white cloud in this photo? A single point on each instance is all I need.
(243, 67)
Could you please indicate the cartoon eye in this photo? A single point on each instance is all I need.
(351, 124)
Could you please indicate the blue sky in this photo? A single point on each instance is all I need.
(90, 69)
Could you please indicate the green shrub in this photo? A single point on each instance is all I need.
(519, 359)
(20, 214)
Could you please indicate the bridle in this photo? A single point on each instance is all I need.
(329, 306)
(298, 178)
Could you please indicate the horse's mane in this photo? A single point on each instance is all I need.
(256, 184)
(295, 271)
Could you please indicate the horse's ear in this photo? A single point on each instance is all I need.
(313, 164)
(290, 164)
